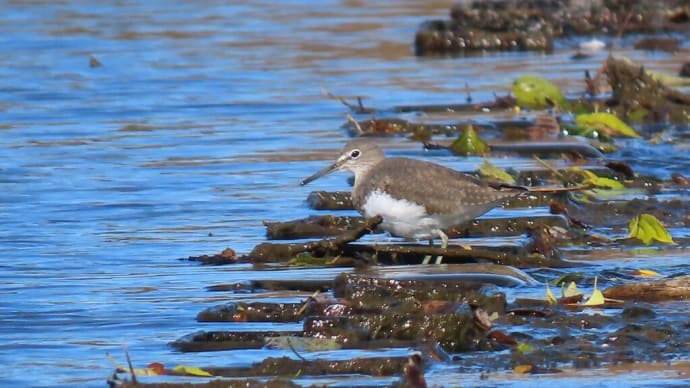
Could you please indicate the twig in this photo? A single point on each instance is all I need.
(295, 350)
(354, 122)
(548, 189)
(129, 363)
(306, 303)
(359, 108)
(551, 168)
(621, 30)
(468, 99)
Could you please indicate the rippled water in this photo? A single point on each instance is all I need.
(198, 126)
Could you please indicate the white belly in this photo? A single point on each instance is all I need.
(402, 218)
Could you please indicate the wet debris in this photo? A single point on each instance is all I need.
(639, 96)
(330, 200)
(459, 314)
(684, 70)
(442, 37)
(251, 312)
(227, 256)
(659, 44)
(94, 62)
(484, 227)
(677, 288)
(315, 226)
(453, 322)
(518, 25)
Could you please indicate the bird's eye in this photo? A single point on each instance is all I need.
(354, 154)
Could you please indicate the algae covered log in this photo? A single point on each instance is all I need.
(447, 37)
(652, 291)
(502, 25)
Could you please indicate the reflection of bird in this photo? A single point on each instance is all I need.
(416, 199)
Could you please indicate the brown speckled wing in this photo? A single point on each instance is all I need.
(441, 189)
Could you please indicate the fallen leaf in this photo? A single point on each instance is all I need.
(648, 228)
(571, 291)
(596, 299)
(645, 273)
(524, 348)
(549, 295)
(522, 369)
(157, 367)
(190, 371)
(469, 143)
(488, 170)
(605, 122)
(534, 92)
(595, 180)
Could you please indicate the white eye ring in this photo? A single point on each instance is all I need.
(355, 154)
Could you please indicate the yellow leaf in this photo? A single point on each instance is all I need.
(606, 123)
(524, 368)
(549, 295)
(597, 299)
(646, 273)
(191, 371)
(648, 228)
(570, 291)
(488, 170)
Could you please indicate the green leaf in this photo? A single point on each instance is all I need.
(607, 123)
(595, 180)
(488, 170)
(469, 143)
(648, 228)
(535, 92)
(524, 348)
(599, 181)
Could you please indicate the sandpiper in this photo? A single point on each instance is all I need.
(417, 199)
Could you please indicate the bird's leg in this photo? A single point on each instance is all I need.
(427, 258)
(444, 245)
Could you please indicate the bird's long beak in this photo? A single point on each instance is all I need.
(324, 171)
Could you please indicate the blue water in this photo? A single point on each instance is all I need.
(198, 125)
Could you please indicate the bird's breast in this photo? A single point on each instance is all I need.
(401, 217)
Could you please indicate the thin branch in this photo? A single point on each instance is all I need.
(354, 122)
